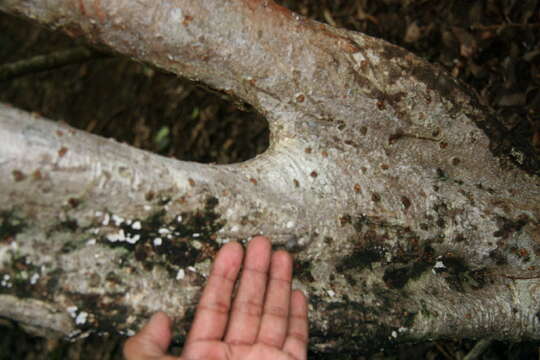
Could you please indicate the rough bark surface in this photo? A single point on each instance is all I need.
(383, 175)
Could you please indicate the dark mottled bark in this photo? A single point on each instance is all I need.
(408, 218)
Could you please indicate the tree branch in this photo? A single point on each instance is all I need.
(47, 62)
(382, 173)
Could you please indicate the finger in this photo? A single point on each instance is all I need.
(152, 341)
(213, 309)
(297, 333)
(248, 304)
(274, 323)
(257, 351)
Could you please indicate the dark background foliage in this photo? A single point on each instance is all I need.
(491, 45)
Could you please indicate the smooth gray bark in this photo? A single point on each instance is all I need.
(381, 176)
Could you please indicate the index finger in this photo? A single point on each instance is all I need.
(213, 310)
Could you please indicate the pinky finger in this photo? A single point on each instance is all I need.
(297, 334)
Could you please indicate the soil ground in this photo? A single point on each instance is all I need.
(491, 45)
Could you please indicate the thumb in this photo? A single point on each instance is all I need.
(152, 341)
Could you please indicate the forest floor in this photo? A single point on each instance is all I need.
(491, 45)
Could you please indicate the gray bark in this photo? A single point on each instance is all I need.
(383, 176)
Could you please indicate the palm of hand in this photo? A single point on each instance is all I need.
(265, 321)
(224, 351)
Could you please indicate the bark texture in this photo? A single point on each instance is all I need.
(383, 175)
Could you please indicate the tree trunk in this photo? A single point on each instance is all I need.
(409, 216)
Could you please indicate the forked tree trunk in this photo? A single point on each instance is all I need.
(383, 176)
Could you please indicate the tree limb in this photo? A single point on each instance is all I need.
(47, 62)
(382, 173)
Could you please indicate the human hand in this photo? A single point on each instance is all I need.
(265, 321)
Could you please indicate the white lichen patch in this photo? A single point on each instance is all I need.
(73, 334)
(164, 231)
(133, 239)
(181, 274)
(91, 241)
(220, 240)
(106, 220)
(374, 58)
(34, 278)
(176, 15)
(331, 293)
(157, 241)
(117, 236)
(72, 310)
(197, 245)
(438, 265)
(358, 57)
(196, 235)
(121, 236)
(179, 219)
(517, 155)
(290, 224)
(118, 220)
(81, 318)
(136, 225)
(6, 281)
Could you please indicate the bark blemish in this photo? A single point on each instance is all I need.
(74, 202)
(112, 316)
(410, 264)
(36, 175)
(302, 271)
(187, 239)
(187, 20)
(362, 257)
(509, 226)
(18, 175)
(345, 219)
(149, 196)
(10, 226)
(63, 151)
(67, 225)
(405, 202)
(458, 275)
(21, 278)
(369, 244)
